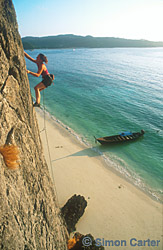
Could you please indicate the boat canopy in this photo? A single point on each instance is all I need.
(126, 133)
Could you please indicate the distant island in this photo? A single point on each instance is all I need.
(73, 41)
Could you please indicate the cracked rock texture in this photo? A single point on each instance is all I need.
(29, 215)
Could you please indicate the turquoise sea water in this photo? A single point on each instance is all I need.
(101, 92)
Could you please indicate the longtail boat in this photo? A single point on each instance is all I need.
(122, 137)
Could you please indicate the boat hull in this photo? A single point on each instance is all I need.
(120, 138)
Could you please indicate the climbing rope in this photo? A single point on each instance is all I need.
(44, 113)
(51, 168)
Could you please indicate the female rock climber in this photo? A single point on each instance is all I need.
(47, 78)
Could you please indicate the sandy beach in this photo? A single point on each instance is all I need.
(116, 209)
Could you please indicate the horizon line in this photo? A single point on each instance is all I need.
(140, 39)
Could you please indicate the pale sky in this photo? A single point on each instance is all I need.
(133, 19)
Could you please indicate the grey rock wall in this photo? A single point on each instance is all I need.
(29, 215)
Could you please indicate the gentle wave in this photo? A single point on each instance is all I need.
(118, 165)
(103, 92)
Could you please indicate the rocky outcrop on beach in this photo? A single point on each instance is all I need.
(73, 210)
(29, 214)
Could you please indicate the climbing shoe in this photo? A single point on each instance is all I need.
(36, 105)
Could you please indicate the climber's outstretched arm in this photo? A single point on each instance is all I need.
(29, 57)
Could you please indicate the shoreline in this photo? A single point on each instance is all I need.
(116, 208)
(107, 163)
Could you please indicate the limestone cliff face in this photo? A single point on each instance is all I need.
(29, 216)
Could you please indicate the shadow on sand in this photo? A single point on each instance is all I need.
(95, 151)
(90, 152)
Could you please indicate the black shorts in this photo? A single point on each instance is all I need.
(47, 80)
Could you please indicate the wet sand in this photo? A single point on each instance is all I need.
(116, 209)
